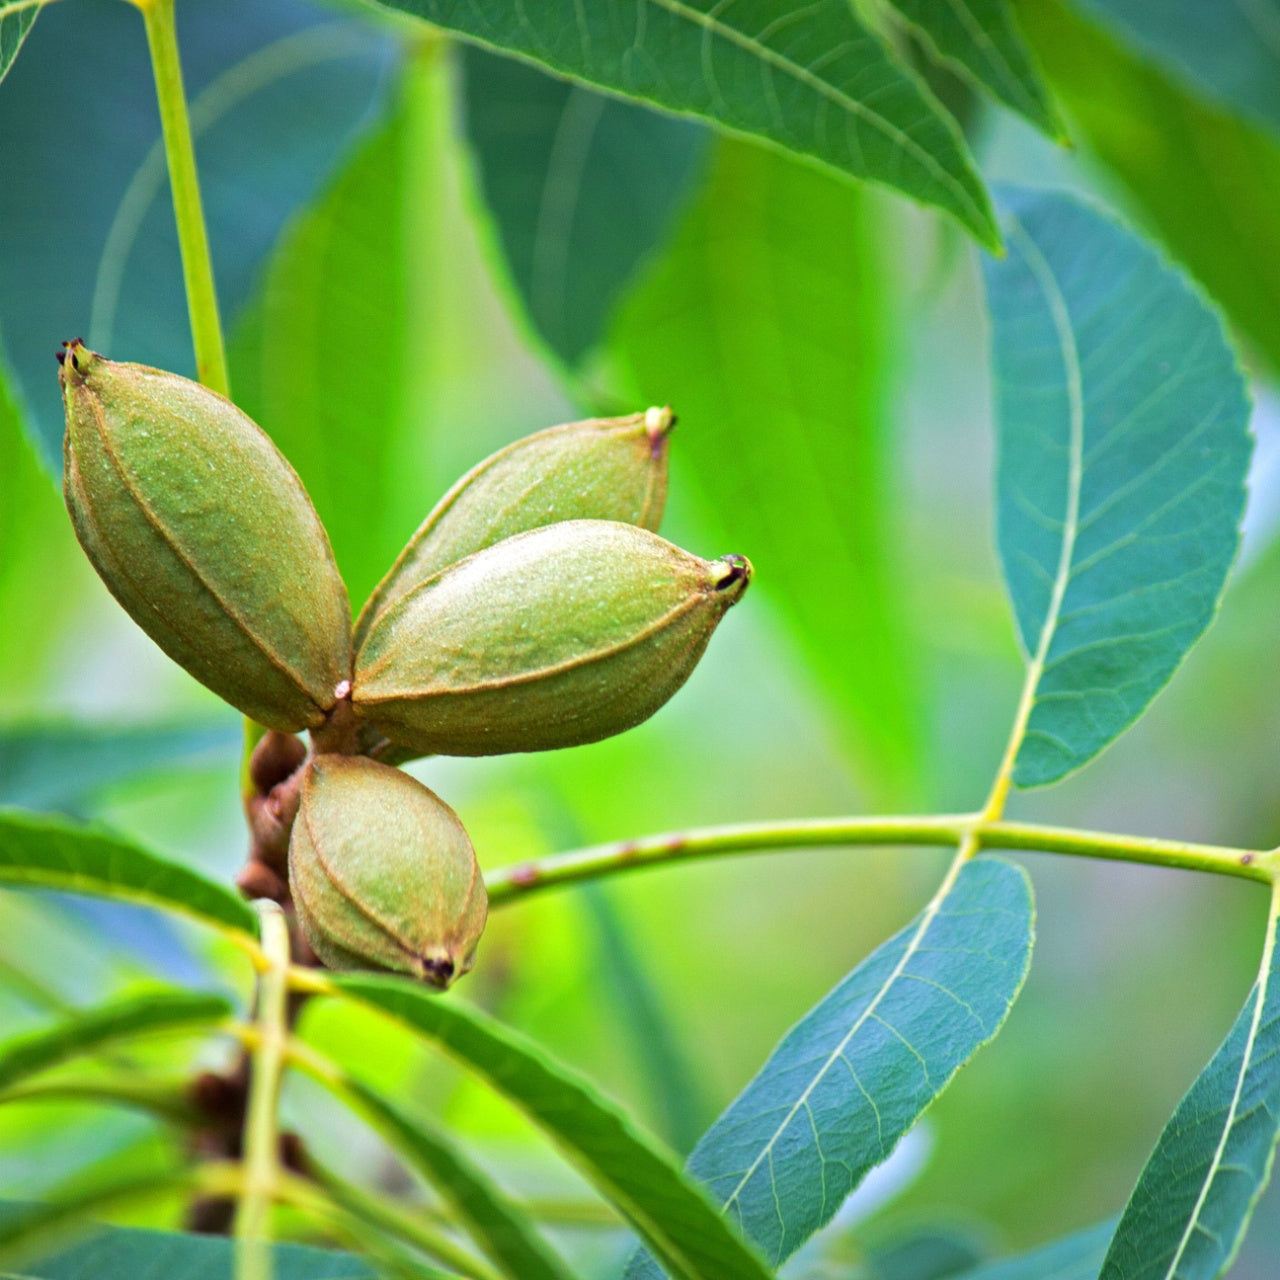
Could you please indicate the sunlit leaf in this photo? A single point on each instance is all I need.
(57, 766)
(98, 1028)
(768, 326)
(811, 80)
(1122, 423)
(642, 1181)
(1228, 52)
(16, 18)
(54, 854)
(1188, 1213)
(89, 247)
(581, 186)
(856, 1072)
(1074, 1257)
(36, 548)
(1203, 180)
(981, 38)
(501, 1229)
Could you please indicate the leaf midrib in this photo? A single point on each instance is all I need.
(1246, 1061)
(829, 91)
(1039, 267)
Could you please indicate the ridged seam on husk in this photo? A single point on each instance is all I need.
(376, 605)
(673, 614)
(345, 890)
(111, 453)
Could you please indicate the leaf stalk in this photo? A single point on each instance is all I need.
(510, 883)
(261, 1143)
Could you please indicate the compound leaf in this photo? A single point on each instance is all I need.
(1122, 423)
(859, 1069)
(811, 80)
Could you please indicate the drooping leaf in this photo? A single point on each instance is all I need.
(36, 548)
(768, 326)
(1229, 52)
(93, 1029)
(368, 350)
(16, 18)
(810, 80)
(500, 1227)
(1203, 180)
(1074, 1257)
(858, 1070)
(982, 40)
(670, 1213)
(1122, 424)
(277, 91)
(57, 766)
(128, 1253)
(581, 186)
(1188, 1213)
(52, 853)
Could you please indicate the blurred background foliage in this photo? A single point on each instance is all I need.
(424, 252)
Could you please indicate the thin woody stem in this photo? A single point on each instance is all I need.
(261, 1142)
(510, 883)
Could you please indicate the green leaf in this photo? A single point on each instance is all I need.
(670, 1214)
(859, 1069)
(51, 853)
(582, 188)
(1188, 1213)
(15, 22)
(48, 766)
(37, 547)
(767, 326)
(1203, 180)
(501, 1229)
(94, 1029)
(331, 396)
(1228, 52)
(1074, 1257)
(981, 39)
(1123, 437)
(128, 1253)
(809, 80)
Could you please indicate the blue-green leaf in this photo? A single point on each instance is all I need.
(1074, 1257)
(1207, 182)
(1123, 436)
(51, 853)
(811, 80)
(581, 186)
(980, 38)
(93, 1029)
(669, 1212)
(1188, 1213)
(858, 1070)
(1229, 51)
(768, 325)
(16, 18)
(58, 766)
(277, 91)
